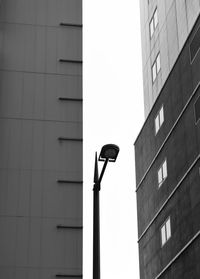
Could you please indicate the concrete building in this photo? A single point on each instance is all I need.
(40, 139)
(165, 26)
(167, 149)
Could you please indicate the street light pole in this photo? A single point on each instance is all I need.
(108, 153)
(96, 224)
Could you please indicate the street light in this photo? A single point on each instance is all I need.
(109, 153)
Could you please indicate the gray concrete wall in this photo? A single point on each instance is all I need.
(177, 141)
(175, 21)
(32, 118)
(184, 212)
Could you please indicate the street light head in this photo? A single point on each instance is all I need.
(109, 152)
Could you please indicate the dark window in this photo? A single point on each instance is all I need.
(195, 45)
(197, 110)
(155, 69)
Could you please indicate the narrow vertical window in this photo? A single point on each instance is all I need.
(161, 114)
(162, 173)
(160, 177)
(156, 67)
(159, 120)
(166, 231)
(163, 235)
(154, 72)
(155, 18)
(164, 170)
(151, 26)
(158, 63)
(153, 23)
(157, 124)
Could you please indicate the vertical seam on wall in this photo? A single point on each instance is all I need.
(186, 12)
(168, 62)
(43, 139)
(161, 60)
(30, 189)
(166, 16)
(32, 151)
(8, 134)
(176, 15)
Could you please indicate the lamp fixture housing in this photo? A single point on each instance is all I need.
(109, 152)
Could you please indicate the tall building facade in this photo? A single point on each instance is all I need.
(167, 149)
(40, 139)
(165, 26)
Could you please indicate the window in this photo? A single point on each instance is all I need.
(159, 120)
(151, 27)
(156, 67)
(153, 23)
(197, 110)
(166, 231)
(162, 173)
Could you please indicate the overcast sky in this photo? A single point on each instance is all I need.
(113, 113)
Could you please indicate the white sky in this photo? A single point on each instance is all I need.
(113, 113)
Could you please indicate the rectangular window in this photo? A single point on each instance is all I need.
(155, 18)
(162, 173)
(158, 63)
(156, 67)
(159, 120)
(153, 23)
(166, 231)
(151, 26)
(197, 110)
(154, 72)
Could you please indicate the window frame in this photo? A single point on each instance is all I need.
(155, 18)
(154, 72)
(153, 23)
(162, 173)
(155, 64)
(167, 234)
(158, 116)
(158, 70)
(151, 28)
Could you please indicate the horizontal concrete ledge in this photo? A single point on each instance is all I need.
(71, 24)
(69, 99)
(70, 61)
(70, 181)
(168, 136)
(68, 275)
(55, 73)
(69, 227)
(178, 255)
(69, 139)
(170, 196)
